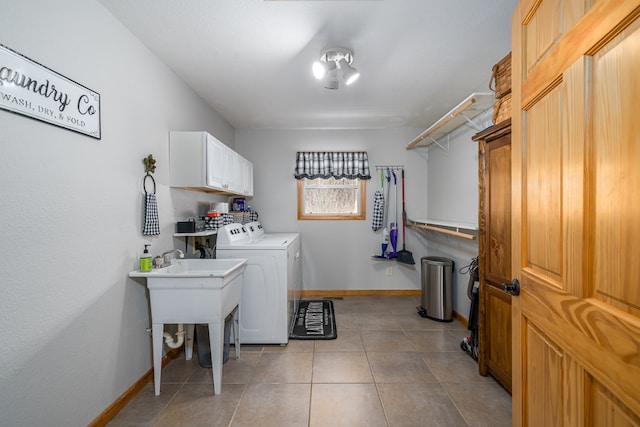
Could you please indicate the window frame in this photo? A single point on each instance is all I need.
(359, 217)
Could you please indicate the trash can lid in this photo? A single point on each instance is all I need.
(437, 260)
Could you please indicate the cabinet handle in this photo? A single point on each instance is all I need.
(512, 288)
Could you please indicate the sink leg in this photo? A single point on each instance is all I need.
(216, 341)
(188, 344)
(236, 330)
(157, 331)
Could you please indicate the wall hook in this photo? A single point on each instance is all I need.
(149, 164)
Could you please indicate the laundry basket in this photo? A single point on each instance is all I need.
(436, 278)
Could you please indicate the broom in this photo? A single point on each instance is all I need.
(404, 256)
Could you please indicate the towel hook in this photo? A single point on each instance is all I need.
(149, 168)
(149, 164)
(144, 183)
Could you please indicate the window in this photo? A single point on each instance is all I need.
(331, 184)
(331, 198)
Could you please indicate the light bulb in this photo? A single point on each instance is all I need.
(349, 73)
(319, 69)
(352, 76)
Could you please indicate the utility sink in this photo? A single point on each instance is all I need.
(194, 268)
(195, 291)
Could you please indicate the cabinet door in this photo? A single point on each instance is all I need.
(230, 181)
(246, 176)
(494, 352)
(215, 162)
(498, 210)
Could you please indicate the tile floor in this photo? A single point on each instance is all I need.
(388, 367)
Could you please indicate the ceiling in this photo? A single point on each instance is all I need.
(251, 59)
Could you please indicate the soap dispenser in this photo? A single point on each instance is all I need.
(145, 260)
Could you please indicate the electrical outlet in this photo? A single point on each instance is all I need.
(389, 271)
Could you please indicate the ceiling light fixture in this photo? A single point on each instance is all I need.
(332, 60)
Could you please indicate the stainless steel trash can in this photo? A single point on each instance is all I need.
(436, 278)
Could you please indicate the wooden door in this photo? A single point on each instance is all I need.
(494, 250)
(576, 212)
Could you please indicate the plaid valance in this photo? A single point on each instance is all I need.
(336, 164)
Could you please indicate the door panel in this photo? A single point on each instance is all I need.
(542, 190)
(545, 379)
(575, 216)
(616, 214)
(592, 30)
(609, 412)
(543, 31)
(498, 210)
(547, 21)
(498, 330)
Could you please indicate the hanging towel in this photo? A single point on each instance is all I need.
(378, 210)
(151, 221)
(151, 226)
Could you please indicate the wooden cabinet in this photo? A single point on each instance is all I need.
(198, 161)
(494, 252)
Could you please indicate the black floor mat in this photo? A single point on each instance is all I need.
(315, 320)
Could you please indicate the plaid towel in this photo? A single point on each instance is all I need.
(378, 210)
(151, 225)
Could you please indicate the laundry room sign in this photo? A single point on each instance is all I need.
(35, 91)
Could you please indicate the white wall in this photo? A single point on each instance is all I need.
(453, 196)
(336, 254)
(73, 324)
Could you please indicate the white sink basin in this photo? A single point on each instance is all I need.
(193, 291)
(194, 268)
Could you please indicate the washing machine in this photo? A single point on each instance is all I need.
(272, 281)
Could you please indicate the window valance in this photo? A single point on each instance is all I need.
(336, 164)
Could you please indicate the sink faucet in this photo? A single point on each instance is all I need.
(171, 255)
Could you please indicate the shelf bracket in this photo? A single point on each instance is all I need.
(471, 123)
(435, 141)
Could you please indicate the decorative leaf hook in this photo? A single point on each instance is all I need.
(149, 164)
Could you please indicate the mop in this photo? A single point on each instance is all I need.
(393, 234)
(385, 231)
(404, 256)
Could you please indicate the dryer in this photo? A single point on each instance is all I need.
(272, 281)
(255, 230)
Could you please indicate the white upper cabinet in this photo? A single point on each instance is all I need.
(230, 181)
(198, 161)
(245, 173)
(214, 161)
